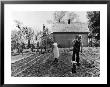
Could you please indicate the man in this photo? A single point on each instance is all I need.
(77, 47)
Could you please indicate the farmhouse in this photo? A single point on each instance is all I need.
(65, 33)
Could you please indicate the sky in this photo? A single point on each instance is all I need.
(36, 19)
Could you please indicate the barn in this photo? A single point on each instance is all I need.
(64, 33)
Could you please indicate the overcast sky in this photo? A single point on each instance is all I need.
(36, 19)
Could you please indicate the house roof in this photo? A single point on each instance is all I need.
(74, 27)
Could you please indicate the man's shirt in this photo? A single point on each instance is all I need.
(76, 45)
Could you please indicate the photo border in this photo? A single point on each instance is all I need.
(42, 2)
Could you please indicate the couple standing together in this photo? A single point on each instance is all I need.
(77, 47)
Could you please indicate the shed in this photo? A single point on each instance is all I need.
(64, 33)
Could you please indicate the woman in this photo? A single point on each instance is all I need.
(56, 53)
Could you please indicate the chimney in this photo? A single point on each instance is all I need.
(69, 21)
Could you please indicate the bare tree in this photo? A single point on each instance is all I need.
(71, 17)
(58, 15)
(26, 32)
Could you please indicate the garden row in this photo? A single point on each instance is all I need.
(32, 60)
(21, 62)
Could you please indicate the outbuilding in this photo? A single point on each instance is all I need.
(64, 33)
